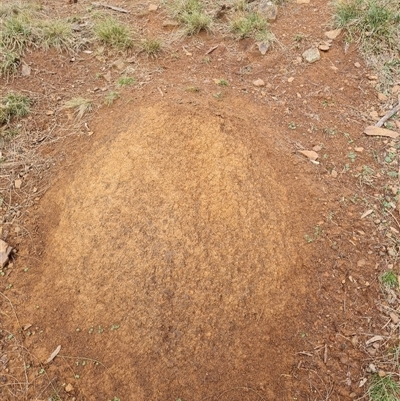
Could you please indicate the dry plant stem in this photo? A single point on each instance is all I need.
(119, 9)
(388, 115)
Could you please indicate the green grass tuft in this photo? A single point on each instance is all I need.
(126, 81)
(151, 46)
(55, 34)
(192, 15)
(113, 33)
(13, 105)
(389, 279)
(16, 32)
(384, 389)
(111, 97)
(9, 62)
(245, 25)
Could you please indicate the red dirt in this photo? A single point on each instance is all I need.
(171, 246)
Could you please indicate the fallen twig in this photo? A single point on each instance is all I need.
(119, 9)
(388, 115)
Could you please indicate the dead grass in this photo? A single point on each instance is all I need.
(79, 105)
(151, 46)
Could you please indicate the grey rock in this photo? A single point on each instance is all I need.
(268, 10)
(311, 55)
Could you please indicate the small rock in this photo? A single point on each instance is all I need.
(268, 10)
(396, 89)
(357, 64)
(302, 1)
(49, 112)
(259, 82)
(119, 64)
(361, 263)
(170, 24)
(316, 148)
(381, 373)
(310, 154)
(153, 7)
(107, 76)
(69, 388)
(324, 48)
(263, 47)
(5, 251)
(372, 77)
(76, 27)
(359, 149)
(311, 55)
(382, 97)
(291, 79)
(333, 34)
(334, 173)
(17, 184)
(374, 115)
(394, 317)
(25, 70)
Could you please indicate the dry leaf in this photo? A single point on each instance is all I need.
(54, 354)
(376, 131)
(374, 339)
(367, 213)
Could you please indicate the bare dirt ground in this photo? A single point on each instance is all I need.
(176, 244)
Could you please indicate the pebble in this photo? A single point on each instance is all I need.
(303, 1)
(259, 82)
(291, 79)
(153, 7)
(382, 97)
(396, 89)
(312, 155)
(317, 148)
(359, 149)
(311, 55)
(25, 70)
(69, 388)
(357, 64)
(263, 47)
(333, 34)
(324, 47)
(334, 173)
(394, 318)
(17, 184)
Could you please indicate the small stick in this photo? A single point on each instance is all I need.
(326, 354)
(211, 50)
(161, 92)
(388, 115)
(12, 164)
(121, 10)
